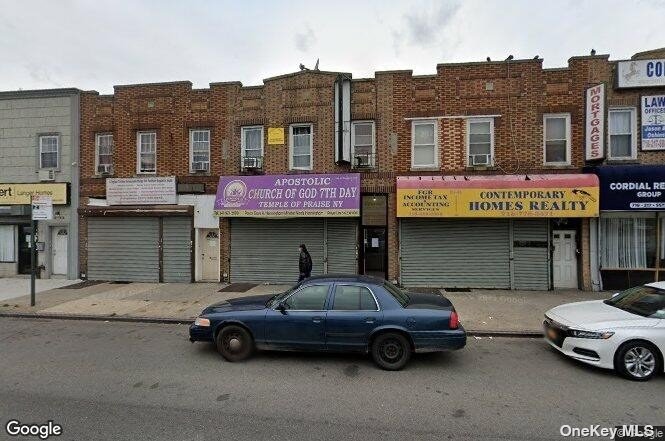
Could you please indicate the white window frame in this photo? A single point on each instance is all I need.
(97, 138)
(57, 151)
(633, 134)
(191, 149)
(470, 121)
(138, 152)
(431, 122)
(566, 116)
(311, 146)
(242, 139)
(353, 140)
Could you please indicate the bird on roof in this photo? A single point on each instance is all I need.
(302, 67)
(510, 57)
(593, 52)
(316, 66)
(536, 57)
(489, 59)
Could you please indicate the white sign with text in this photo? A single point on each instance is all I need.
(153, 190)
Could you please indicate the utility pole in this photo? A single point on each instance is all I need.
(33, 253)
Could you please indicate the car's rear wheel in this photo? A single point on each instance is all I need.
(391, 351)
(234, 343)
(637, 361)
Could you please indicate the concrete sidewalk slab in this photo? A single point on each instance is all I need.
(13, 287)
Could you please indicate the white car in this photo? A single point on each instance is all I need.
(625, 333)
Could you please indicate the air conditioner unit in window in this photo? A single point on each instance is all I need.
(200, 166)
(479, 159)
(105, 169)
(363, 161)
(251, 162)
(47, 175)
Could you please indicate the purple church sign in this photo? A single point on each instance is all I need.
(305, 195)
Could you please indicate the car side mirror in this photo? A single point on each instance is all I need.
(281, 307)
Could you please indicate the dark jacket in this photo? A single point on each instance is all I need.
(305, 263)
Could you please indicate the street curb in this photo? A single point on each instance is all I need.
(186, 321)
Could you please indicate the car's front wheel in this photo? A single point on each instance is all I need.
(637, 361)
(391, 351)
(234, 343)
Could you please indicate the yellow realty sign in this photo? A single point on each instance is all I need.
(20, 194)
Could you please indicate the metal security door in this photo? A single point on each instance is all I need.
(452, 253)
(341, 240)
(266, 250)
(123, 249)
(530, 254)
(177, 249)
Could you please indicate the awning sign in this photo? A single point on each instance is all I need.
(498, 197)
(274, 196)
(20, 194)
(632, 187)
(653, 122)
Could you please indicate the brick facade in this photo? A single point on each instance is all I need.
(515, 93)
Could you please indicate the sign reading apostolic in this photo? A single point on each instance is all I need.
(595, 122)
(632, 187)
(653, 122)
(640, 73)
(498, 196)
(152, 190)
(20, 194)
(310, 195)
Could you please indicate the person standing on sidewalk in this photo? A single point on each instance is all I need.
(305, 263)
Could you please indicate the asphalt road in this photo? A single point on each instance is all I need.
(126, 381)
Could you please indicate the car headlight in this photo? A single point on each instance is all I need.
(590, 334)
(202, 321)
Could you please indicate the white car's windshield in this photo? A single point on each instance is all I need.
(646, 301)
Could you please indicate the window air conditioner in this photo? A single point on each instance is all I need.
(363, 161)
(480, 159)
(250, 162)
(47, 175)
(105, 169)
(200, 166)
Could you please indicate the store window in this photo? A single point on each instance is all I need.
(424, 144)
(628, 241)
(7, 251)
(622, 128)
(556, 139)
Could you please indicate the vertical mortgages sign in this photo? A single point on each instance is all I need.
(653, 122)
(595, 122)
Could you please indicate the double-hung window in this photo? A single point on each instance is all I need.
(300, 136)
(49, 146)
(424, 145)
(199, 150)
(251, 146)
(104, 153)
(480, 141)
(622, 129)
(146, 152)
(362, 140)
(556, 139)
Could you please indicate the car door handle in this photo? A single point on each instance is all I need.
(369, 320)
(316, 319)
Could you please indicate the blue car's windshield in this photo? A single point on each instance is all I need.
(274, 300)
(400, 295)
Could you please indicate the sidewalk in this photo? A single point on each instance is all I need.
(481, 311)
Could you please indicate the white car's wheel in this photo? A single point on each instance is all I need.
(638, 361)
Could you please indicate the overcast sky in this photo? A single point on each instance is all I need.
(95, 44)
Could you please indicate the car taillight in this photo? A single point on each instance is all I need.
(454, 320)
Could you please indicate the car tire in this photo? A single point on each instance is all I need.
(391, 351)
(637, 361)
(234, 343)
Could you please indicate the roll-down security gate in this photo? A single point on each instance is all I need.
(266, 250)
(486, 253)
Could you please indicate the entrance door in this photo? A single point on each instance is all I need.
(374, 256)
(59, 250)
(209, 255)
(564, 261)
(24, 249)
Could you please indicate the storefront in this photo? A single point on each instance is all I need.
(139, 233)
(55, 237)
(631, 230)
(503, 232)
(270, 215)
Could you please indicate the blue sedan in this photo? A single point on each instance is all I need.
(334, 313)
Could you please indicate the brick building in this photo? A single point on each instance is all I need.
(471, 128)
